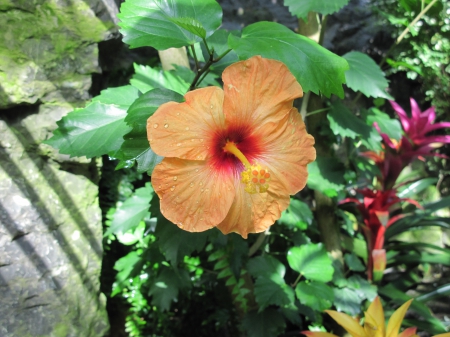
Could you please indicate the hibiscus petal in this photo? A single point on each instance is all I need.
(348, 323)
(258, 91)
(192, 195)
(185, 130)
(287, 150)
(253, 213)
(396, 320)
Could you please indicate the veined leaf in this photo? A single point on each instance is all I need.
(123, 96)
(267, 323)
(387, 125)
(132, 211)
(316, 68)
(147, 78)
(326, 174)
(302, 8)
(365, 75)
(93, 131)
(312, 261)
(166, 287)
(163, 24)
(273, 291)
(265, 266)
(316, 295)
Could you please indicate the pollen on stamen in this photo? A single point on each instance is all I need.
(256, 179)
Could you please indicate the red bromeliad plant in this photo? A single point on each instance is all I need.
(377, 205)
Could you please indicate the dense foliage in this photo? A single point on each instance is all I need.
(323, 252)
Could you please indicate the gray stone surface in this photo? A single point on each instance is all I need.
(50, 220)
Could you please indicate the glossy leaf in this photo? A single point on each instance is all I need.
(132, 211)
(316, 295)
(136, 146)
(312, 261)
(416, 187)
(324, 7)
(316, 68)
(365, 75)
(147, 78)
(93, 131)
(362, 287)
(169, 23)
(123, 96)
(265, 266)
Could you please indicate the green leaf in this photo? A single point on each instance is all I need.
(166, 287)
(93, 131)
(347, 300)
(316, 295)
(291, 312)
(362, 287)
(268, 323)
(265, 266)
(416, 187)
(315, 68)
(175, 242)
(365, 75)
(326, 174)
(136, 146)
(191, 25)
(311, 261)
(353, 262)
(166, 24)
(272, 291)
(132, 211)
(324, 7)
(387, 125)
(298, 214)
(147, 78)
(123, 96)
(345, 124)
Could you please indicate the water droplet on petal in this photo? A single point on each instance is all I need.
(196, 170)
(201, 140)
(178, 144)
(187, 128)
(202, 190)
(166, 126)
(155, 125)
(191, 184)
(175, 178)
(201, 184)
(180, 224)
(172, 188)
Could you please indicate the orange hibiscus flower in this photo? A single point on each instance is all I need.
(232, 156)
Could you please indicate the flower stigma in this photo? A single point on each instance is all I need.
(255, 177)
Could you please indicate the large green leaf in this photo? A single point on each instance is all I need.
(123, 96)
(347, 300)
(93, 131)
(316, 295)
(312, 261)
(365, 75)
(147, 78)
(345, 124)
(272, 291)
(267, 323)
(316, 68)
(132, 211)
(163, 24)
(270, 287)
(136, 146)
(326, 175)
(302, 8)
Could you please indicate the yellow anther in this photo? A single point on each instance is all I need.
(255, 178)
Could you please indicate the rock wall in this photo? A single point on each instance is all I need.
(50, 220)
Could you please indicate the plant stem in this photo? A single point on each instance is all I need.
(297, 280)
(316, 111)
(259, 241)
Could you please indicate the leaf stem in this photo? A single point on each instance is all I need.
(259, 241)
(316, 112)
(221, 56)
(197, 67)
(297, 280)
